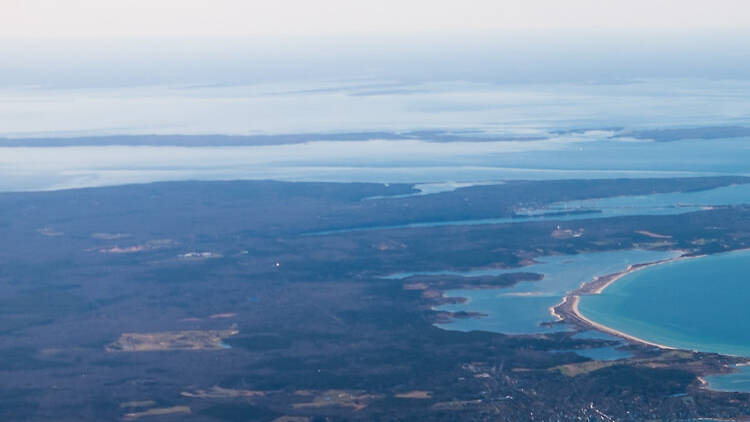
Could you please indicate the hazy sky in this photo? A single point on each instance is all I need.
(262, 18)
(177, 66)
(93, 43)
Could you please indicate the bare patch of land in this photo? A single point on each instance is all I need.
(50, 232)
(224, 315)
(148, 246)
(217, 392)
(356, 400)
(160, 411)
(559, 233)
(110, 236)
(142, 403)
(653, 235)
(172, 340)
(292, 419)
(416, 394)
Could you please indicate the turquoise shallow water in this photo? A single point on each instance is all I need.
(522, 308)
(699, 304)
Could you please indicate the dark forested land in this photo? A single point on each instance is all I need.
(315, 332)
(658, 135)
(256, 140)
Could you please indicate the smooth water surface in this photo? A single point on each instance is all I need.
(601, 353)
(619, 206)
(336, 106)
(573, 130)
(380, 161)
(522, 308)
(696, 304)
(738, 381)
(604, 353)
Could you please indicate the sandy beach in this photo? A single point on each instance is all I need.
(567, 310)
(612, 331)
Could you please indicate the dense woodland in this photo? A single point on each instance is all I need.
(322, 336)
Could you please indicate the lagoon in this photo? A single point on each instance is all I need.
(738, 381)
(522, 309)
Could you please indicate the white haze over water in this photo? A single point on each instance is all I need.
(91, 68)
(507, 109)
(365, 161)
(530, 68)
(544, 111)
(505, 85)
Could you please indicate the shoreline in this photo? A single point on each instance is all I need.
(603, 328)
(568, 309)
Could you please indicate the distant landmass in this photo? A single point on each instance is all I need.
(256, 140)
(707, 132)
(658, 135)
(207, 301)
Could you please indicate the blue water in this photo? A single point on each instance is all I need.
(618, 206)
(738, 381)
(596, 335)
(698, 304)
(433, 188)
(361, 161)
(543, 111)
(604, 353)
(601, 353)
(522, 308)
(558, 157)
(336, 106)
(660, 204)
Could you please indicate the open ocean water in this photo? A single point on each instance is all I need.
(576, 131)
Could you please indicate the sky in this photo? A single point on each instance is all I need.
(256, 19)
(245, 66)
(115, 43)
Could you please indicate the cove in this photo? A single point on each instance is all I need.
(523, 308)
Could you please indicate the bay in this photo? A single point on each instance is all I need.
(523, 308)
(695, 304)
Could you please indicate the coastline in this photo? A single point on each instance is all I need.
(603, 328)
(568, 309)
